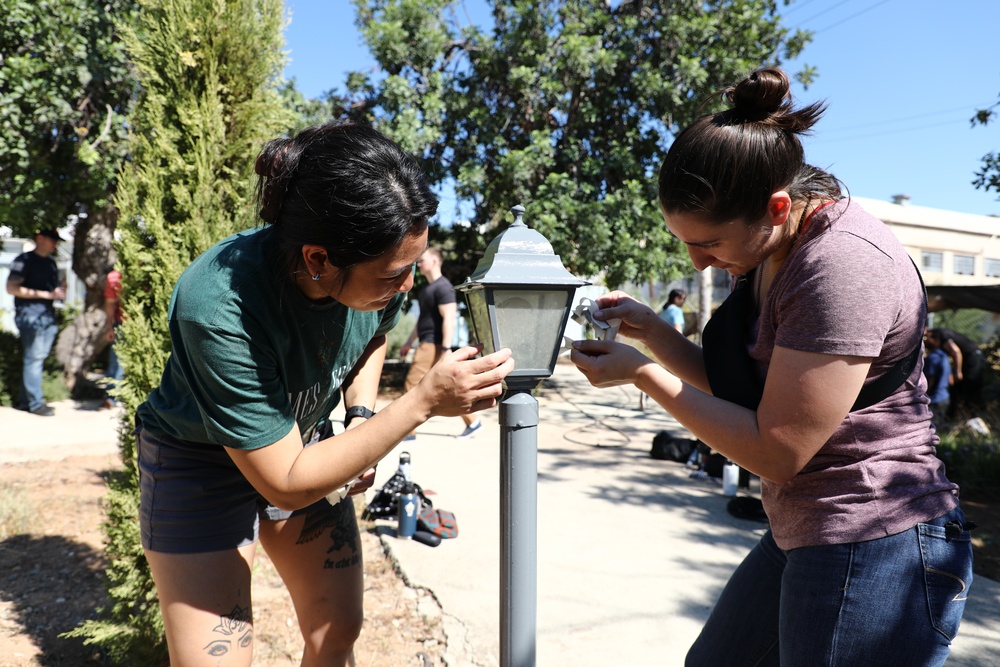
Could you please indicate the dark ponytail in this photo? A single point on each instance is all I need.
(726, 166)
(343, 186)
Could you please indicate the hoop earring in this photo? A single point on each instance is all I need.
(315, 276)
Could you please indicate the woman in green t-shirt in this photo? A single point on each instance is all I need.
(270, 328)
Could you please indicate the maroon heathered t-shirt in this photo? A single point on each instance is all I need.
(848, 287)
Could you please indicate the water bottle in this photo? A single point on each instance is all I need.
(730, 478)
(405, 469)
(409, 507)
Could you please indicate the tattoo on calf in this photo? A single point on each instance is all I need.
(236, 627)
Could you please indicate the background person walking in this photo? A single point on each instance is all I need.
(937, 370)
(112, 320)
(671, 312)
(435, 328)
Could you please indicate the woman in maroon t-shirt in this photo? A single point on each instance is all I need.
(810, 377)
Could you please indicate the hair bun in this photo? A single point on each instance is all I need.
(275, 165)
(762, 93)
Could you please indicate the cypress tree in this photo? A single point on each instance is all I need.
(209, 72)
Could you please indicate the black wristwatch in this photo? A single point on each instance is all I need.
(357, 411)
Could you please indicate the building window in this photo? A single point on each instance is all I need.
(931, 261)
(992, 267)
(965, 265)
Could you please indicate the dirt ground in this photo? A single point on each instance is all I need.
(51, 578)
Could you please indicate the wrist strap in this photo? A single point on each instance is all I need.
(357, 411)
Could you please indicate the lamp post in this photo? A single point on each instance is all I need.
(519, 297)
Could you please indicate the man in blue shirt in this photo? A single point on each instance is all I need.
(937, 370)
(34, 282)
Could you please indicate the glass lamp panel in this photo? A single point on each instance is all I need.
(479, 315)
(530, 322)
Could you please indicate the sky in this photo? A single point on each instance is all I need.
(902, 78)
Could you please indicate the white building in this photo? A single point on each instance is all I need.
(950, 248)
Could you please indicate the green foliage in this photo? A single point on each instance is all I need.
(988, 177)
(209, 74)
(970, 322)
(131, 630)
(564, 106)
(991, 350)
(972, 462)
(398, 335)
(11, 356)
(973, 459)
(64, 90)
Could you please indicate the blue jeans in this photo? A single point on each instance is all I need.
(115, 372)
(897, 600)
(38, 333)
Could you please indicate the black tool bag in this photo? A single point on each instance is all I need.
(385, 504)
(668, 448)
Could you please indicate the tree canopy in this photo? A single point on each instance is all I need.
(564, 106)
(65, 89)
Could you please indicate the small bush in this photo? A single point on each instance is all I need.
(972, 462)
(11, 355)
(15, 510)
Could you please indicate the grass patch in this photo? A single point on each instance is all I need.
(15, 512)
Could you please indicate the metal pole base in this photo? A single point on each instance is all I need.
(518, 528)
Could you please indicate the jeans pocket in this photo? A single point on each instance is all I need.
(947, 563)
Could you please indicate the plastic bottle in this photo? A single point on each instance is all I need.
(730, 478)
(409, 507)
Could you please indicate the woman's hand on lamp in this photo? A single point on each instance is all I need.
(460, 384)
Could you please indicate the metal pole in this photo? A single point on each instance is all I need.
(518, 526)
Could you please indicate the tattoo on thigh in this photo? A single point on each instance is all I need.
(345, 533)
(338, 519)
(236, 629)
(342, 527)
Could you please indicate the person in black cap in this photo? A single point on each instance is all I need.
(34, 282)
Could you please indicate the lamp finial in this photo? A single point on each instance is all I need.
(518, 212)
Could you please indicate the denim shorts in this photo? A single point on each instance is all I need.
(193, 498)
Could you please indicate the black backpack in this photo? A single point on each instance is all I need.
(385, 504)
(668, 448)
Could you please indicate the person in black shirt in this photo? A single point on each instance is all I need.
(435, 328)
(967, 367)
(34, 282)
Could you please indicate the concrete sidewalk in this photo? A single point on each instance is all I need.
(78, 428)
(632, 552)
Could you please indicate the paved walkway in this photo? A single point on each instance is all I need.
(632, 552)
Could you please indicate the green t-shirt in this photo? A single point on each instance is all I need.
(251, 354)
